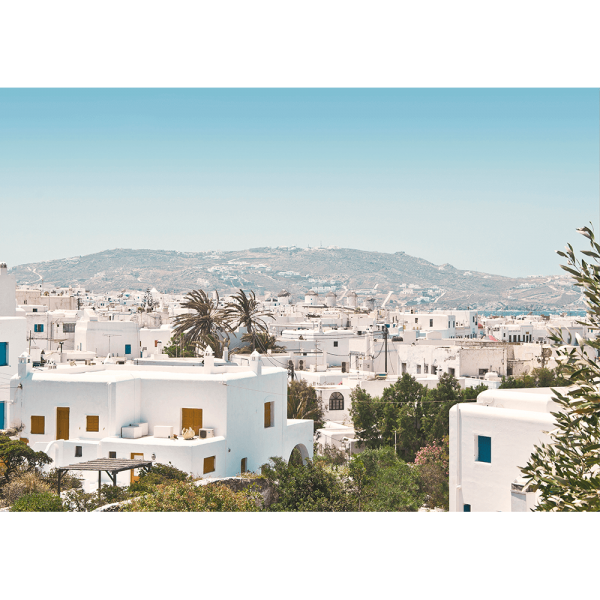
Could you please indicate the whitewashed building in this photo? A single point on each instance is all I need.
(238, 415)
(489, 441)
(12, 336)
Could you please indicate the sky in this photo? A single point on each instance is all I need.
(492, 180)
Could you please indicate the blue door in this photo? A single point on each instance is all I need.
(3, 354)
(127, 348)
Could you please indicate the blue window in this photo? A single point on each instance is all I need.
(127, 348)
(484, 449)
(1, 415)
(38, 328)
(3, 354)
(467, 508)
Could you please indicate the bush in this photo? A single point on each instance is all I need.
(432, 464)
(79, 501)
(309, 487)
(186, 496)
(157, 474)
(27, 482)
(38, 502)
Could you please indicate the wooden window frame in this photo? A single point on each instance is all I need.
(87, 423)
(38, 427)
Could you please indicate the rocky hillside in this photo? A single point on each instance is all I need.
(413, 280)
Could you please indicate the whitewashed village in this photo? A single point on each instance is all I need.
(212, 389)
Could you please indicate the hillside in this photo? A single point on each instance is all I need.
(298, 270)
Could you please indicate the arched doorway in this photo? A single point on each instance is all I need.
(298, 455)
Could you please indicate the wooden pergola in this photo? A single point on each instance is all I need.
(111, 466)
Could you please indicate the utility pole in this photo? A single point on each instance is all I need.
(385, 339)
(109, 335)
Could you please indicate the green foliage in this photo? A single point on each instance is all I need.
(245, 310)
(383, 482)
(180, 349)
(157, 474)
(365, 412)
(302, 403)
(330, 455)
(207, 324)
(79, 501)
(471, 393)
(541, 377)
(16, 455)
(38, 502)
(432, 463)
(310, 487)
(263, 342)
(68, 481)
(186, 496)
(566, 471)
(407, 415)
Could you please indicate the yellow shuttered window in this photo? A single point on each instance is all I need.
(209, 464)
(268, 414)
(38, 425)
(92, 423)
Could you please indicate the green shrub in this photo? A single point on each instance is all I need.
(157, 474)
(39, 502)
(186, 496)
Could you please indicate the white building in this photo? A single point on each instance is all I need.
(118, 338)
(80, 413)
(12, 336)
(489, 441)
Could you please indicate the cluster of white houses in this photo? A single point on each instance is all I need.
(86, 376)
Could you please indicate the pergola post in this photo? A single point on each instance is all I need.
(99, 481)
(59, 478)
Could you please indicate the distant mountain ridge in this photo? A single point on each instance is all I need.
(298, 270)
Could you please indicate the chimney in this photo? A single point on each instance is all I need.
(255, 363)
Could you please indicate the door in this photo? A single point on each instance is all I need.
(191, 417)
(62, 423)
(135, 473)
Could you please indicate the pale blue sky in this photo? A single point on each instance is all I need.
(493, 180)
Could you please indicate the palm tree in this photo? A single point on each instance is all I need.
(245, 310)
(302, 403)
(264, 341)
(206, 326)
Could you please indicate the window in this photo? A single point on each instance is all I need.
(466, 508)
(3, 354)
(24, 440)
(38, 328)
(426, 369)
(92, 423)
(416, 320)
(244, 466)
(430, 322)
(268, 414)
(336, 401)
(482, 372)
(35, 310)
(404, 367)
(68, 327)
(484, 449)
(434, 369)
(451, 371)
(38, 425)
(209, 464)
(335, 344)
(127, 348)
(112, 455)
(79, 451)
(418, 369)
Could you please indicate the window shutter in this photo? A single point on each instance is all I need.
(93, 423)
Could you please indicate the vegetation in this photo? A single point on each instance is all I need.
(566, 471)
(408, 416)
(264, 342)
(541, 377)
(38, 502)
(179, 348)
(245, 311)
(157, 474)
(433, 463)
(186, 496)
(17, 456)
(302, 403)
(206, 326)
